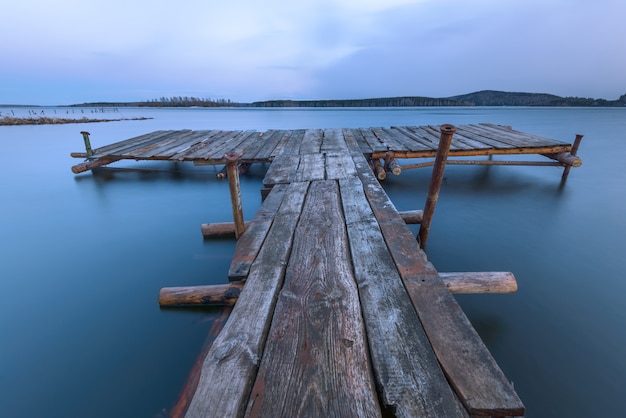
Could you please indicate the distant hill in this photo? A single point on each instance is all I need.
(501, 98)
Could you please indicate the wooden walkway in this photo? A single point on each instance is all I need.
(341, 314)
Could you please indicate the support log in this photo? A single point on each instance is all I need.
(90, 165)
(223, 295)
(412, 216)
(392, 165)
(379, 170)
(566, 159)
(220, 229)
(435, 181)
(574, 151)
(480, 282)
(227, 294)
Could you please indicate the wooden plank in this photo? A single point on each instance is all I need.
(230, 366)
(333, 141)
(311, 167)
(270, 142)
(233, 144)
(166, 151)
(132, 150)
(282, 170)
(507, 136)
(372, 140)
(454, 145)
(480, 135)
(247, 248)
(216, 141)
(536, 138)
(315, 362)
(467, 363)
(180, 153)
(426, 135)
(410, 139)
(289, 144)
(281, 144)
(106, 149)
(119, 151)
(145, 152)
(312, 141)
(405, 366)
(359, 142)
(339, 166)
(389, 140)
(254, 146)
(250, 242)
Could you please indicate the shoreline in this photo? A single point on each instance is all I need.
(15, 121)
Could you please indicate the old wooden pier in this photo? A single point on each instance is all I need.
(338, 311)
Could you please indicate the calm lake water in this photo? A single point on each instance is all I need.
(84, 256)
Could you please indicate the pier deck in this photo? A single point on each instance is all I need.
(400, 142)
(341, 313)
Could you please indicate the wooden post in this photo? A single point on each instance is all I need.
(391, 164)
(573, 152)
(379, 170)
(87, 143)
(435, 181)
(232, 169)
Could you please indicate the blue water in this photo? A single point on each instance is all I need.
(84, 256)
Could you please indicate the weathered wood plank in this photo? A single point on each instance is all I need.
(236, 144)
(315, 363)
(333, 141)
(181, 153)
(216, 141)
(290, 144)
(270, 142)
(406, 369)
(282, 170)
(419, 143)
(250, 242)
(480, 135)
(339, 166)
(146, 150)
(311, 167)
(387, 138)
(475, 375)
(166, 151)
(230, 366)
(138, 148)
(106, 149)
(312, 141)
(120, 150)
(454, 145)
(359, 144)
(254, 146)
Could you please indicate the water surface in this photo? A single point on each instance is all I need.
(84, 256)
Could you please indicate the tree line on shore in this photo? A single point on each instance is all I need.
(480, 98)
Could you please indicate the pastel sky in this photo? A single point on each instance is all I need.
(76, 51)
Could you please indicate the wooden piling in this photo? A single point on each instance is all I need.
(391, 164)
(232, 169)
(573, 152)
(85, 135)
(379, 170)
(447, 131)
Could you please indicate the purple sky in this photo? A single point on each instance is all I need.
(75, 51)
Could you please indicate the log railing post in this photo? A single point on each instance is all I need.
(87, 143)
(232, 169)
(573, 152)
(435, 181)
